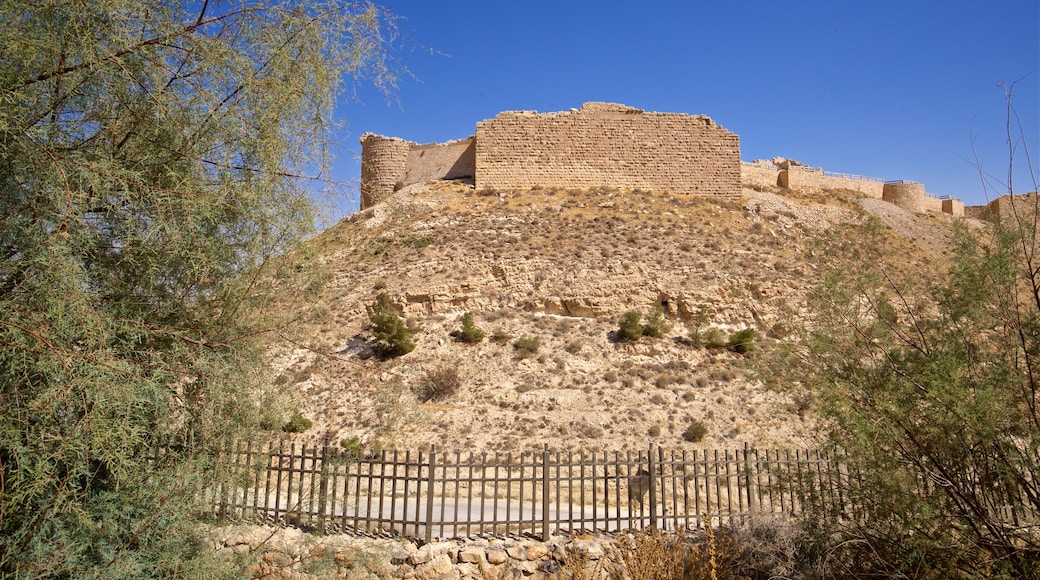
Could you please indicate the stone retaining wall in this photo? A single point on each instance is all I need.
(290, 553)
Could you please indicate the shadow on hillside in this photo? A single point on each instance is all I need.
(362, 347)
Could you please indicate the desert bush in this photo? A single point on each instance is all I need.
(352, 446)
(297, 423)
(526, 346)
(657, 326)
(654, 431)
(695, 431)
(743, 341)
(395, 336)
(708, 338)
(470, 333)
(438, 384)
(655, 555)
(501, 336)
(629, 327)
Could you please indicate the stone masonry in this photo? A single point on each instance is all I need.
(607, 144)
(600, 144)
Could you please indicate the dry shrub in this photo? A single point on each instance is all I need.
(438, 384)
(654, 555)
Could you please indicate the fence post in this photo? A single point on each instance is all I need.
(429, 499)
(323, 489)
(747, 475)
(545, 493)
(653, 486)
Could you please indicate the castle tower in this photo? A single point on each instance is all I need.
(908, 195)
(384, 161)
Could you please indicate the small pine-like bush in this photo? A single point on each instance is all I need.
(470, 333)
(526, 346)
(743, 341)
(657, 326)
(297, 423)
(439, 384)
(629, 327)
(352, 446)
(695, 432)
(396, 336)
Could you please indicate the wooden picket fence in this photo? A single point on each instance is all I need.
(431, 494)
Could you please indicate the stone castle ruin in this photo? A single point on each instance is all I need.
(604, 144)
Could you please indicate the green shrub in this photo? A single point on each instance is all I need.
(439, 384)
(470, 333)
(657, 326)
(396, 336)
(654, 431)
(629, 327)
(297, 423)
(695, 432)
(527, 345)
(352, 446)
(743, 341)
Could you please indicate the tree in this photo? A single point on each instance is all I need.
(470, 333)
(394, 334)
(155, 158)
(932, 393)
(629, 327)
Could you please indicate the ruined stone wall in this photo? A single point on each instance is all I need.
(756, 176)
(1015, 208)
(605, 144)
(451, 160)
(814, 181)
(389, 163)
(954, 207)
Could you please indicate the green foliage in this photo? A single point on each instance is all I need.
(352, 446)
(390, 329)
(657, 326)
(439, 384)
(931, 392)
(297, 423)
(743, 341)
(470, 333)
(629, 327)
(526, 346)
(695, 431)
(147, 155)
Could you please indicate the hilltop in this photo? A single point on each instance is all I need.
(563, 266)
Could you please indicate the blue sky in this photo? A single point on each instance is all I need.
(896, 90)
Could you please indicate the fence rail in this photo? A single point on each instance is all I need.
(440, 495)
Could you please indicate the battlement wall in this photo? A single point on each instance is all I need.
(607, 144)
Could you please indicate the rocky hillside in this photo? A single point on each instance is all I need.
(562, 267)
